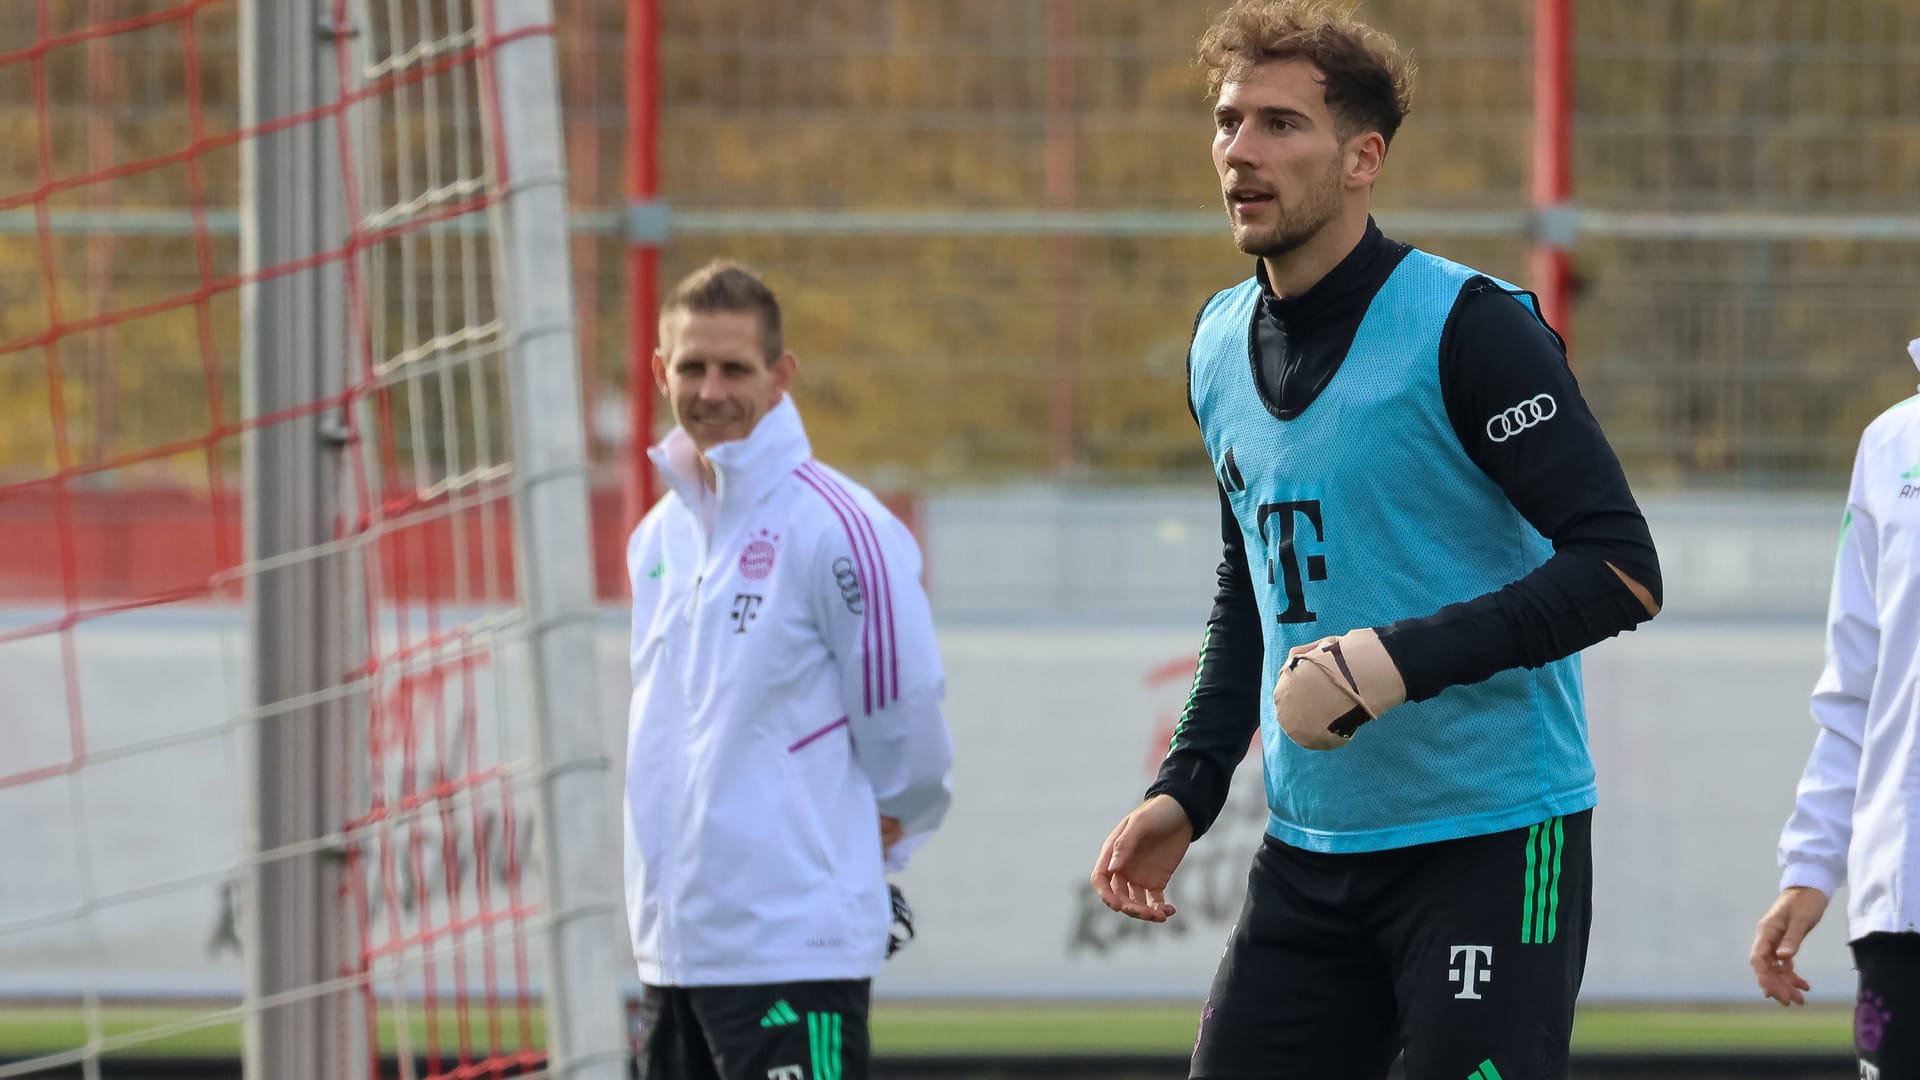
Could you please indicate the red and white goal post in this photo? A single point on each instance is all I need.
(326, 777)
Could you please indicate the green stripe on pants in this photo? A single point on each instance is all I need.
(1526, 898)
(1553, 910)
(1540, 903)
(823, 1039)
(813, 1045)
(1545, 882)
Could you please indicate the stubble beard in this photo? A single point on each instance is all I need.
(1297, 226)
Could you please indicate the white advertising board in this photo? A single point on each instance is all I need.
(1699, 730)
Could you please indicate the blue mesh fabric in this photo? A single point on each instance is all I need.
(1406, 525)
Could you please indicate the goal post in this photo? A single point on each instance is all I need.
(586, 1029)
(292, 209)
(511, 184)
(308, 760)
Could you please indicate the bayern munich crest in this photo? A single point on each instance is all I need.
(756, 563)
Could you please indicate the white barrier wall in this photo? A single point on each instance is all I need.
(1050, 553)
(1699, 728)
(1699, 731)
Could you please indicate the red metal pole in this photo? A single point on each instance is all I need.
(1063, 450)
(1553, 157)
(643, 254)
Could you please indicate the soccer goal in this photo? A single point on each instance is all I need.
(307, 767)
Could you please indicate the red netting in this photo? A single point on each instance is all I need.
(122, 522)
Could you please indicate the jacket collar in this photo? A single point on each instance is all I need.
(743, 470)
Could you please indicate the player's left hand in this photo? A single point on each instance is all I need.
(890, 832)
(1794, 914)
(1328, 688)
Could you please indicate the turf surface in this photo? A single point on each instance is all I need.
(1044, 1028)
(962, 1029)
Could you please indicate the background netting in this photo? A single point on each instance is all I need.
(130, 106)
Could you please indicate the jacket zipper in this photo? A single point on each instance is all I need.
(671, 947)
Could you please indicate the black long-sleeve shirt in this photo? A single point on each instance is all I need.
(1562, 476)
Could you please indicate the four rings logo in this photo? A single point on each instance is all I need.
(849, 582)
(1537, 409)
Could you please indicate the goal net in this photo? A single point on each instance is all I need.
(302, 759)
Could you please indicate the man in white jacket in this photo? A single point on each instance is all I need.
(786, 746)
(1854, 821)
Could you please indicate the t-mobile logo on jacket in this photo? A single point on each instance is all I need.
(746, 608)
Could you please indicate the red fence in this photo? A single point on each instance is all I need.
(133, 543)
(129, 543)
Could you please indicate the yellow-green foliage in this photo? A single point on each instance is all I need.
(951, 357)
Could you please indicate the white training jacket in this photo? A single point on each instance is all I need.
(1854, 821)
(786, 693)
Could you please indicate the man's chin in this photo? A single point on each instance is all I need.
(1267, 243)
(708, 436)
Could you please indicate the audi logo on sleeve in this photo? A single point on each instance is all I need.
(849, 582)
(1537, 409)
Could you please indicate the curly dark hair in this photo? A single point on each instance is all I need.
(1368, 79)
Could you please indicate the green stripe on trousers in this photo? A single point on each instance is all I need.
(1560, 848)
(823, 1039)
(1526, 897)
(1546, 882)
(1540, 904)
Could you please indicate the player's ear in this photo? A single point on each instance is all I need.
(784, 370)
(1365, 154)
(669, 324)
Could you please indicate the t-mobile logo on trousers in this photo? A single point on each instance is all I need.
(787, 1072)
(1476, 968)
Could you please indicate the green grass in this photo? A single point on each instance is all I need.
(36, 1029)
(1169, 1029)
(1033, 1029)
(1026, 1028)
(1761, 1026)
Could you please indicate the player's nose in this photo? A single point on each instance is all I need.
(1242, 152)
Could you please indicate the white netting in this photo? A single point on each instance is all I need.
(134, 723)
